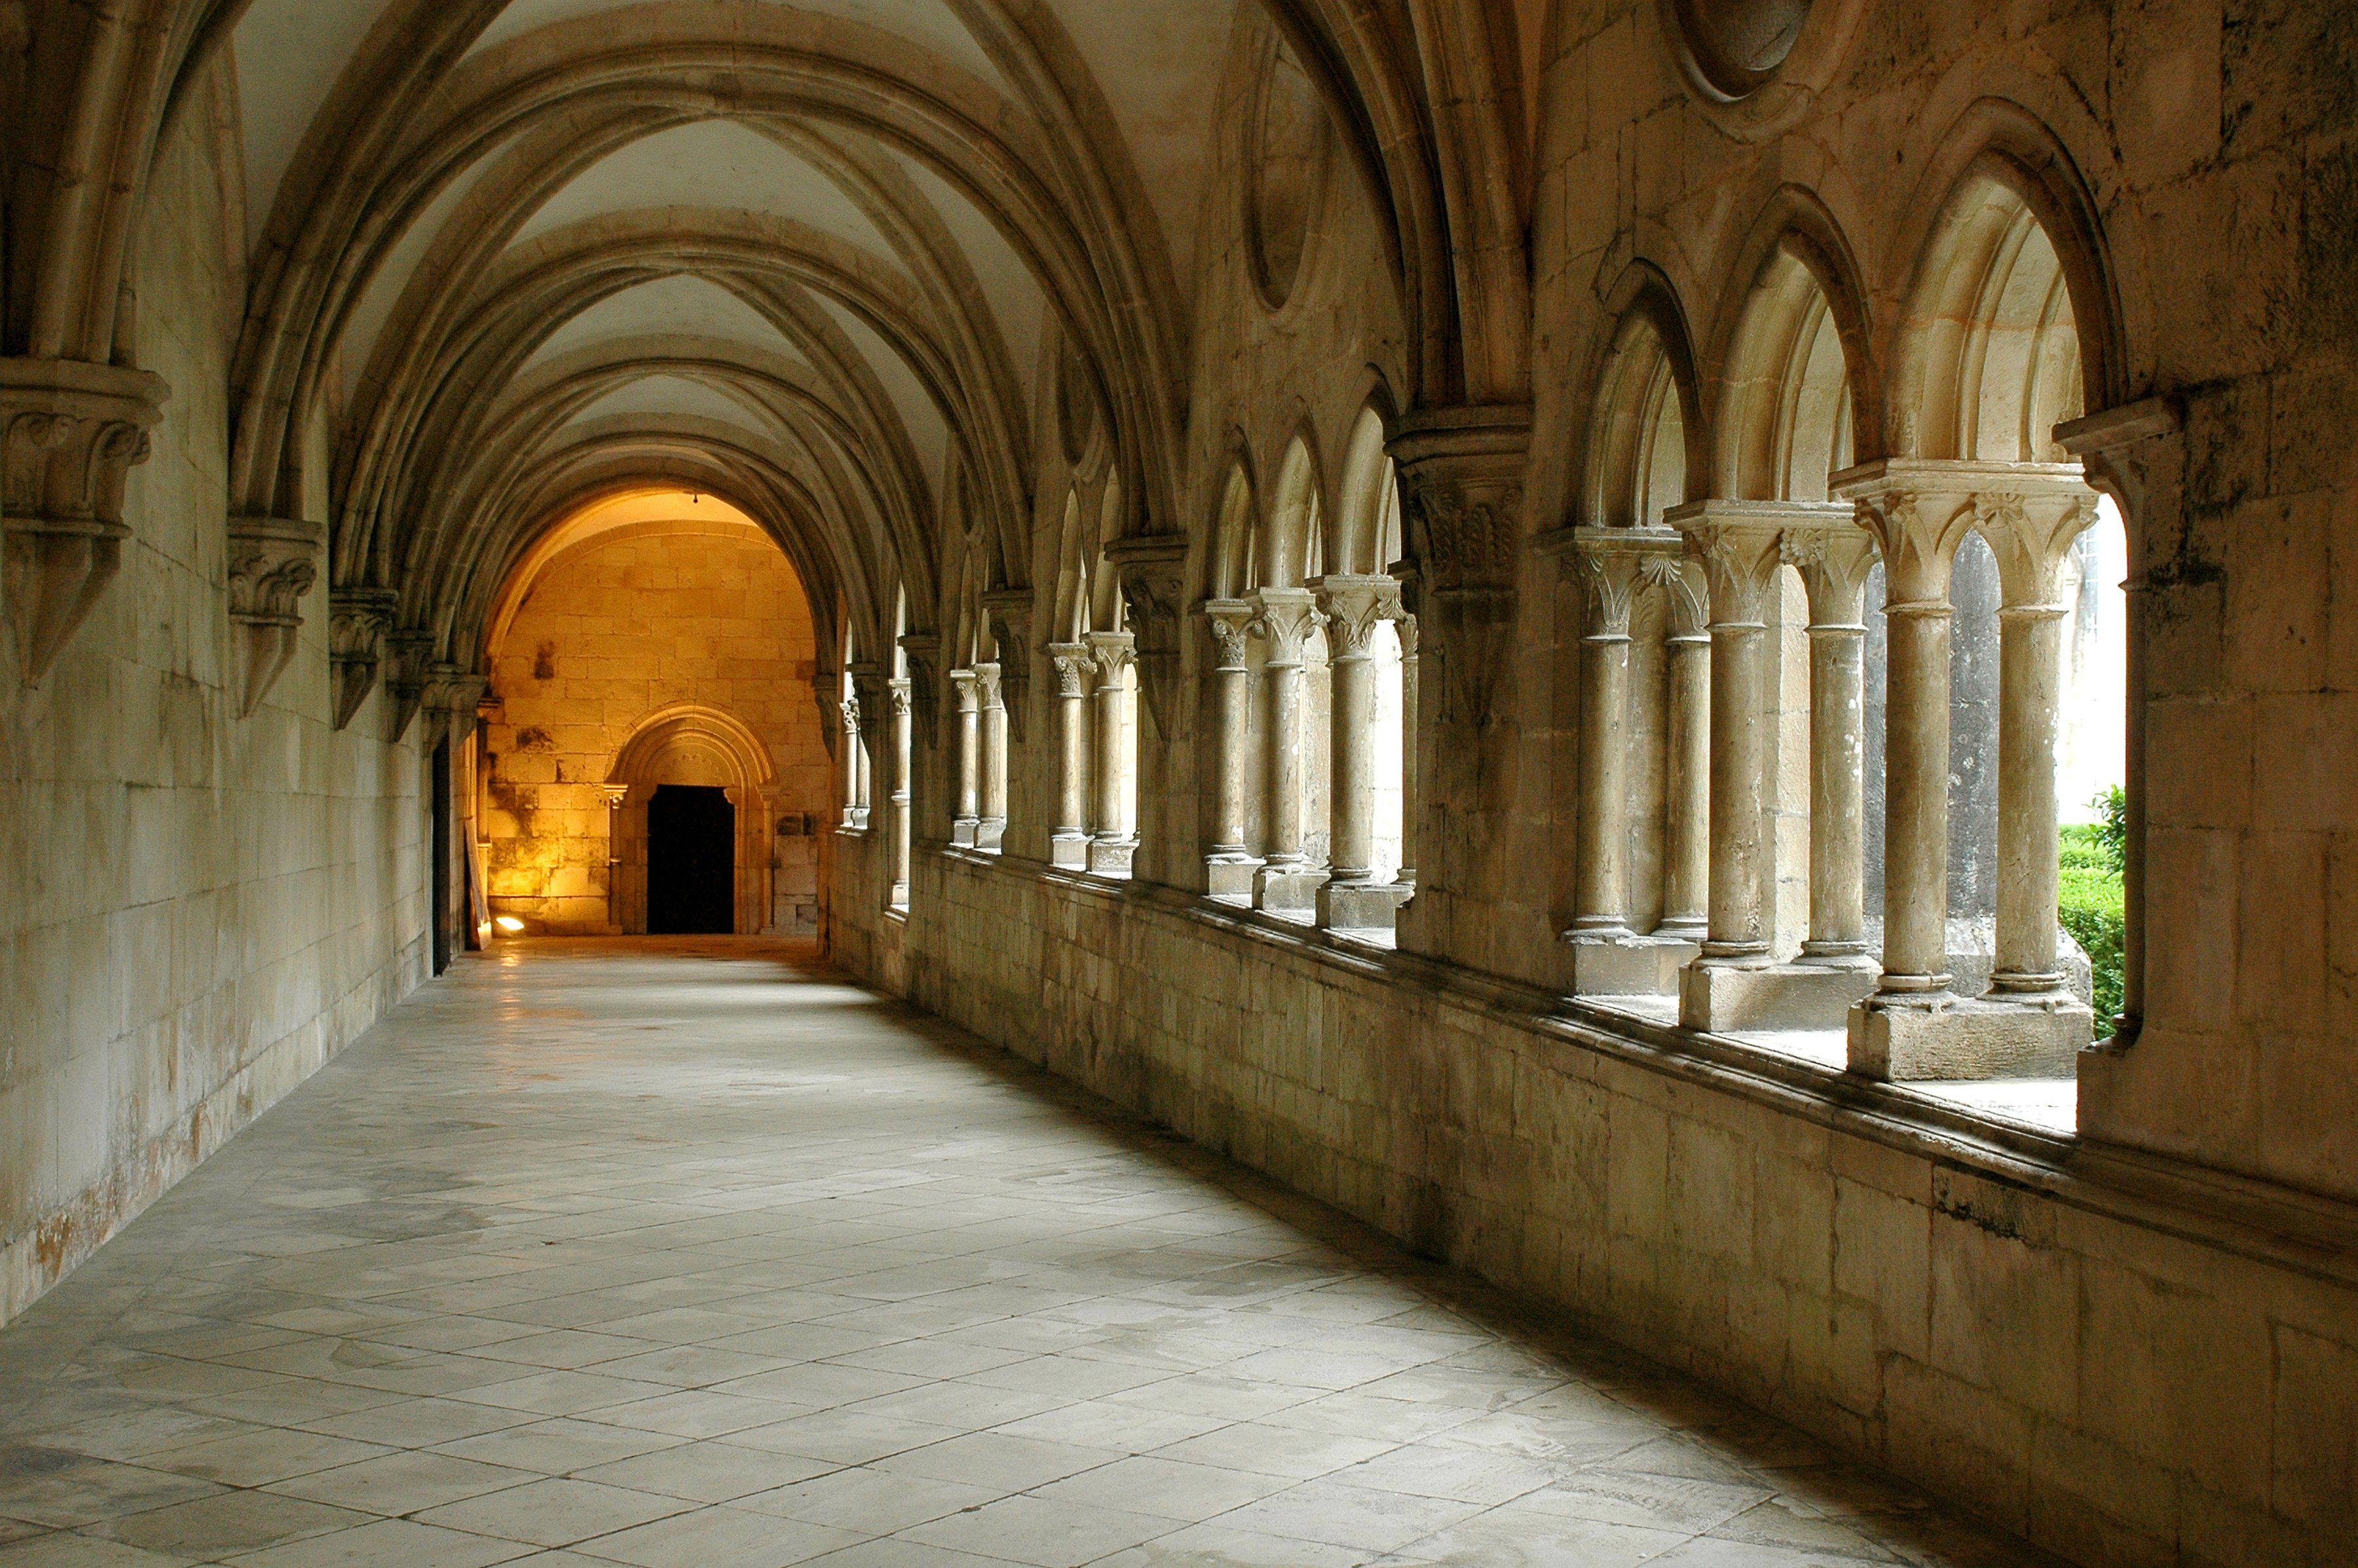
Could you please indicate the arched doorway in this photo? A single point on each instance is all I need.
(691, 861)
(692, 828)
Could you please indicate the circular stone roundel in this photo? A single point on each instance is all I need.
(1736, 47)
(1285, 158)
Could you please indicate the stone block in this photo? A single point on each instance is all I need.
(1943, 1036)
(1289, 889)
(1112, 856)
(1621, 964)
(1360, 906)
(1722, 1000)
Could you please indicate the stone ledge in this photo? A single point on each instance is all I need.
(2306, 1233)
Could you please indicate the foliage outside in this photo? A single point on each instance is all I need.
(2091, 904)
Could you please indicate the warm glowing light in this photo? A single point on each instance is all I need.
(509, 923)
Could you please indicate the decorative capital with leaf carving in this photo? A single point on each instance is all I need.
(1072, 663)
(71, 434)
(1352, 608)
(273, 563)
(358, 620)
(1230, 623)
(1286, 617)
(1009, 611)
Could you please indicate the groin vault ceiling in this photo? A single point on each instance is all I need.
(505, 256)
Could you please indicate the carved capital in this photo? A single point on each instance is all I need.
(1919, 511)
(1739, 545)
(987, 685)
(358, 620)
(1353, 607)
(872, 698)
(410, 653)
(1072, 663)
(612, 794)
(1462, 488)
(1010, 611)
(452, 702)
(1152, 570)
(921, 652)
(965, 691)
(1230, 620)
(273, 563)
(1284, 616)
(1111, 653)
(1609, 565)
(1834, 560)
(69, 435)
(1679, 578)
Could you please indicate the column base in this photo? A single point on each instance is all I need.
(1069, 851)
(1112, 856)
(1936, 1034)
(1289, 887)
(991, 833)
(1360, 906)
(1229, 876)
(964, 832)
(1722, 998)
(1622, 963)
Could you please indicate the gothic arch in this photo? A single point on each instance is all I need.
(690, 742)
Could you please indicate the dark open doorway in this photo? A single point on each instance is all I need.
(691, 861)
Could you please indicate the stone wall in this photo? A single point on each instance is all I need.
(627, 625)
(2127, 1362)
(196, 910)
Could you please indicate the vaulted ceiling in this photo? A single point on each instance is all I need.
(506, 258)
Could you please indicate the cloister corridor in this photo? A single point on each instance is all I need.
(687, 1251)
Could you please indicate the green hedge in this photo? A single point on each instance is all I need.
(2093, 906)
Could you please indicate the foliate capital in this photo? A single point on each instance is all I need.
(1111, 653)
(357, 619)
(1352, 608)
(1071, 663)
(987, 684)
(1230, 621)
(273, 563)
(1610, 565)
(1285, 616)
(1462, 482)
(71, 434)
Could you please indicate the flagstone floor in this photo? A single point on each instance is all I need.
(686, 1253)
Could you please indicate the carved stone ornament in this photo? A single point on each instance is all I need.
(452, 701)
(1462, 485)
(1154, 576)
(273, 562)
(410, 652)
(923, 653)
(69, 435)
(359, 618)
(1010, 610)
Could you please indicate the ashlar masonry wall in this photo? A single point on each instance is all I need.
(196, 910)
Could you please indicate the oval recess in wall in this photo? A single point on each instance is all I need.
(1285, 157)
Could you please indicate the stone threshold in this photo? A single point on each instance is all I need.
(2308, 1233)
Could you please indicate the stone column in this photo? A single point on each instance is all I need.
(613, 795)
(1462, 472)
(855, 767)
(1914, 1026)
(2030, 535)
(1286, 879)
(965, 823)
(1111, 846)
(903, 761)
(1607, 571)
(1352, 899)
(1069, 841)
(1686, 813)
(1404, 627)
(1833, 564)
(1229, 863)
(1740, 559)
(990, 831)
(1609, 957)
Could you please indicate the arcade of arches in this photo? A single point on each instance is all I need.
(1700, 658)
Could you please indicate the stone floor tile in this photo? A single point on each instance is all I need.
(861, 1497)
(65, 1550)
(994, 1459)
(1326, 1510)
(1038, 1530)
(262, 1454)
(720, 1536)
(387, 1543)
(554, 1512)
(403, 1483)
(558, 1447)
(1166, 1487)
(227, 1523)
(707, 1472)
